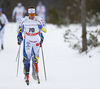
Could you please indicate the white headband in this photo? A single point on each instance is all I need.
(31, 10)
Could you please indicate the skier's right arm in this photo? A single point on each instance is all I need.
(19, 36)
(21, 28)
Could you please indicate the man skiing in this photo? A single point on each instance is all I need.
(3, 22)
(19, 12)
(41, 10)
(32, 26)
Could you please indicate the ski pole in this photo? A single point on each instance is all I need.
(43, 63)
(43, 56)
(18, 53)
(18, 60)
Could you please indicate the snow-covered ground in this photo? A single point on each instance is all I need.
(65, 67)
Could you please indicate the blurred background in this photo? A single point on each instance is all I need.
(59, 11)
(71, 46)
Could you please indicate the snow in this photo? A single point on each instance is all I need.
(65, 67)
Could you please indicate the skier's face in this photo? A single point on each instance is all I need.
(31, 16)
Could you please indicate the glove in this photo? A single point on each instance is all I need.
(19, 43)
(40, 26)
(41, 42)
(20, 40)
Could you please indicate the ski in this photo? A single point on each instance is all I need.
(38, 79)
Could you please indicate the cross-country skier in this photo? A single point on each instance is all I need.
(32, 26)
(18, 12)
(41, 10)
(3, 22)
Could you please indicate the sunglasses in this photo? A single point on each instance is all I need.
(31, 14)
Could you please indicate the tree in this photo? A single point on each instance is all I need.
(84, 33)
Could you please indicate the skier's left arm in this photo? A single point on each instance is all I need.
(41, 34)
(42, 38)
(42, 26)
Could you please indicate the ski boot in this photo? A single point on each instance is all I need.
(27, 79)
